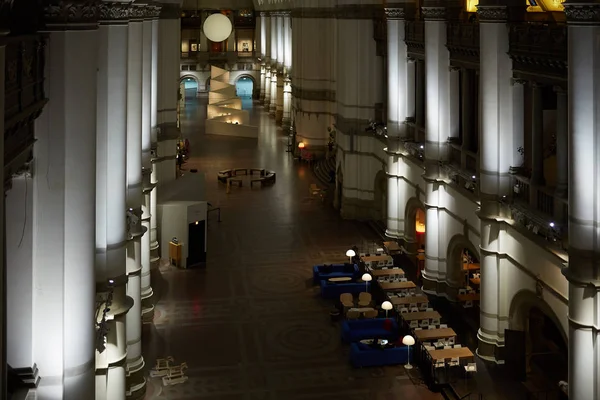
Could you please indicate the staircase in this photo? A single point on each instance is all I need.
(22, 382)
(322, 170)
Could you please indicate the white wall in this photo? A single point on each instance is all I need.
(174, 217)
(19, 272)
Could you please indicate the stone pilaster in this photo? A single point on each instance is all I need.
(396, 70)
(584, 184)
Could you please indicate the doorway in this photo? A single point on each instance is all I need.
(197, 244)
(244, 87)
(190, 86)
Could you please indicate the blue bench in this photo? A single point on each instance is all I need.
(325, 272)
(355, 330)
(363, 355)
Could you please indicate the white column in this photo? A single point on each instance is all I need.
(287, 39)
(3, 310)
(287, 104)
(274, 46)
(146, 90)
(584, 184)
(154, 135)
(562, 142)
(64, 216)
(147, 292)
(280, 41)
(274, 64)
(266, 35)
(393, 37)
(169, 32)
(392, 194)
(274, 79)
(495, 158)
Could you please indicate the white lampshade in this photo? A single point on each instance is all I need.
(217, 27)
(366, 278)
(386, 305)
(408, 340)
(350, 253)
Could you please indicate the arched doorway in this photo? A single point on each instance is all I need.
(380, 197)
(190, 85)
(244, 87)
(414, 225)
(546, 350)
(462, 269)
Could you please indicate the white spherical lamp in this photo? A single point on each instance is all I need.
(366, 279)
(217, 27)
(350, 253)
(408, 341)
(387, 306)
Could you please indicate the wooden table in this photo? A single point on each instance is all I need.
(397, 285)
(387, 272)
(384, 259)
(476, 281)
(462, 352)
(340, 279)
(362, 309)
(401, 301)
(471, 267)
(392, 247)
(432, 334)
(418, 316)
(468, 296)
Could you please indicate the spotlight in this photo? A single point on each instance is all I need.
(473, 177)
(422, 147)
(551, 224)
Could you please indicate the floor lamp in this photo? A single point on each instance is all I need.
(366, 278)
(408, 341)
(350, 253)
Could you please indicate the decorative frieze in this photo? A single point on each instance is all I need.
(74, 14)
(492, 13)
(354, 11)
(313, 94)
(536, 48)
(137, 12)
(433, 13)
(395, 13)
(118, 11)
(586, 13)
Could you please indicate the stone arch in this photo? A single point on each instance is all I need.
(454, 273)
(410, 221)
(245, 76)
(520, 306)
(237, 89)
(380, 196)
(190, 76)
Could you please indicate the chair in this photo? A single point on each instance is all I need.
(435, 321)
(412, 292)
(430, 309)
(347, 299)
(451, 341)
(471, 367)
(447, 347)
(371, 314)
(424, 322)
(364, 299)
(454, 362)
(423, 307)
(462, 291)
(414, 309)
(414, 324)
(429, 348)
(457, 346)
(440, 364)
(404, 310)
(353, 314)
(443, 326)
(431, 327)
(418, 329)
(468, 304)
(403, 279)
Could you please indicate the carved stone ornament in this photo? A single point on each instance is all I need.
(114, 11)
(394, 13)
(154, 11)
(58, 14)
(137, 12)
(586, 13)
(491, 14)
(433, 13)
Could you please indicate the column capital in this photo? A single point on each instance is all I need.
(434, 13)
(79, 14)
(137, 12)
(410, 59)
(516, 81)
(453, 68)
(394, 13)
(582, 13)
(116, 12)
(492, 13)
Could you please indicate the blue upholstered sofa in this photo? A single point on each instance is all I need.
(332, 290)
(324, 272)
(363, 355)
(355, 330)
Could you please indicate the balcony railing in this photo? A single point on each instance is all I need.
(536, 47)
(225, 56)
(539, 210)
(462, 40)
(414, 36)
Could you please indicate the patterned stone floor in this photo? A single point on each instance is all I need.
(250, 325)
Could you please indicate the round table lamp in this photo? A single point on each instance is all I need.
(366, 278)
(387, 306)
(350, 253)
(408, 341)
(217, 27)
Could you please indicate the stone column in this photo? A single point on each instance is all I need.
(266, 42)
(287, 38)
(437, 126)
(584, 183)
(495, 158)
(274, 61)
(392, 228)
(537, 135)
(274, 79)
(267, 99)
(169, 32)
(454, 102)
(3, 255)
(154, 246)
(562, 143)
(64, 338)
(260, 52)
(280, 41)
(467, 109)
(287, 104)
(393, 62)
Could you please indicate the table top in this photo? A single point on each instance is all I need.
(385, 272)
(340, 279)
(468, 296)
(420, 315)
(462, 352)
(362, 309)
(409, 300)
(383, 257)
(397, 285)
(471, 267)
(476, 281)
(391, 246)
(431, 334)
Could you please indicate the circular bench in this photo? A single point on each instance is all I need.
(260, 176)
